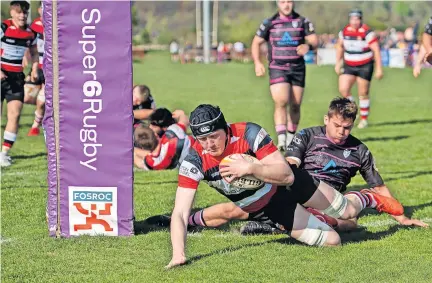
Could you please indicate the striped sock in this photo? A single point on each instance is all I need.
(8, 140)
(363, 199)
(281, 131)
(37, 120)
(292, 128)
(197, 219)
(364, 108)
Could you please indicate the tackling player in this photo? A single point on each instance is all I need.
(285, 188)
(286, 34)
(16, 37)
(356, 52)
(173, 146)
(34, 90)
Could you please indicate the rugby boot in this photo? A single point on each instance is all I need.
(33, 132)
(385, 204)
(255, 227)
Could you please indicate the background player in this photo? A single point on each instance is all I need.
(34, 90)
(16, 37)
(425, 52)
(143, 103)
(356, 51)
(286, 34)
(173, 145)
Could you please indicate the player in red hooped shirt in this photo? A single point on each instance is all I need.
(286, 187)
(357, 51)
(16, 37)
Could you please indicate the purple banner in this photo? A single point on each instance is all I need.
(95, 165)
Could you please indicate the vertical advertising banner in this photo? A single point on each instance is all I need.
(88, 121)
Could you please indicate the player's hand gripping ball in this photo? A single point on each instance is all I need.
(248, 182)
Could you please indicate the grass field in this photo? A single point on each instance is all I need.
(399, 137)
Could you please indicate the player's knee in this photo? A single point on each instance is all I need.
(280, 103)
(333, 239)
(295, 108)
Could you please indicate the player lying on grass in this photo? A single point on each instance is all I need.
(281, 197)
(143, 103)
(165, 143)
(329, 154)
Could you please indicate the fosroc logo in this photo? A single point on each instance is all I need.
(93, 211)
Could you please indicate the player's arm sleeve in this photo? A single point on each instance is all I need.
(308, 27)
(371, 37)
(428, 27)
(264, 30)
(162, 160)
(368, 169)
(190, 171)
(260, 142)
(298, 146)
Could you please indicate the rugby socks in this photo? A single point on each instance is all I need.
(365, 199)
(8, 141)
(281, 131)
(292, 128)
(197, 219)
(37, 120)
(364, 108)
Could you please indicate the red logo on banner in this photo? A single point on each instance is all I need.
(92, 218)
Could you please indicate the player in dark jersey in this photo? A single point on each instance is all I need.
(357, 50)
(143, 103)
(171, 145)
(16, 37)
(425, 52)
(289, 37)
(34, 90)
(285, 188)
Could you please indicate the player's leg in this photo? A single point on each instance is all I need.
(39, 113)
(346, 81)
(280, 91)
(13, 89)
(217, 215)
(363, 85)
(297, 78)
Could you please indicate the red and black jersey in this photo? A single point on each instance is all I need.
(356, 43)
(283, 36)
(38, 28)
(174, 146)
(246, 138)
(14, 42)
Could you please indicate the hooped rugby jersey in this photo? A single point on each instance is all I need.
(174, 146)
(14, 43)
(283, 36)
(356, 44)
(332, 163)
(38, 28)
(246, 138)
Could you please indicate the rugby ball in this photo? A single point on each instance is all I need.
(248, 182)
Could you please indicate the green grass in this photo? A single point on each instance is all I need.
(399, 137)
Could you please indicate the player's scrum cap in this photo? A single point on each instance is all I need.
(162, 117)
(206, 119)
(23, 4)
(356, 13)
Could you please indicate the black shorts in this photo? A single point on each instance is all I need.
(40, 78)
(282, 205)
(12, 87)
(363, 71)
(295, 76)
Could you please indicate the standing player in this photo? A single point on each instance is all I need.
(281, 204)
(425, 52)
(286, 34)
(34, 90)
(356, 51)
(16, 37)
(173, 146)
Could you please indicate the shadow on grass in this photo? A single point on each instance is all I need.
(397, 123)
(29, 156)
(381, 139)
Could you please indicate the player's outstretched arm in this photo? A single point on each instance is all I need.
(179, 220)
(181, 117)
(402, 219)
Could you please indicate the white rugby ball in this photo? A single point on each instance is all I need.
(248, 182)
